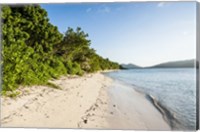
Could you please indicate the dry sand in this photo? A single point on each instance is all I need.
(91, 101)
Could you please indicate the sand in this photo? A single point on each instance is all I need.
(92, 101)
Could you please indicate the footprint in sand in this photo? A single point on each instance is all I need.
(46, 115)
(79, 125)
(25, 106)
(96, 105)
(35, 99)
(92, 119)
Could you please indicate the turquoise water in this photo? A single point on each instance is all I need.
(174, 89)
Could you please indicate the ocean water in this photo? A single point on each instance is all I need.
(173, 88)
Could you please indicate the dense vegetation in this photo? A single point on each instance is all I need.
(34, 51)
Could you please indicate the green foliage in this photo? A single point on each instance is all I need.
(11, 94)
(75, 47)
(52, 85)
(34, 51)
(28, 41)
(73, 68)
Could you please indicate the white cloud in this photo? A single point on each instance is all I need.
(89, 10)
(161, 4)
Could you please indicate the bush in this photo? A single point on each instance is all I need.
(74, 68)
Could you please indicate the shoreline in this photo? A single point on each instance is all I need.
(91, 101)
(135, 110)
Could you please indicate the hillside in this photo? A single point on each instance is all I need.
(176, 64)
(129, 66)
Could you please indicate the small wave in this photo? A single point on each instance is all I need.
(168, 115)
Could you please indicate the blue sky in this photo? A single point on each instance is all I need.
(145, 33)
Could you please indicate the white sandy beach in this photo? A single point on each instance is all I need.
(91, 101)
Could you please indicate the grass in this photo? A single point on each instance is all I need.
(11, 94)
(15, 93)
(52, 85)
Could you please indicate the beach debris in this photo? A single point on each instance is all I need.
(91, 108)
(114, 105)
(111, 113)
(85, 121)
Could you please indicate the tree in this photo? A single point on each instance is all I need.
(28, 40)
